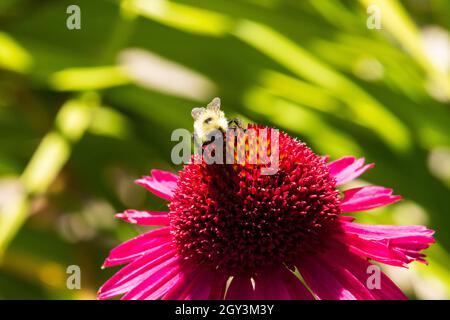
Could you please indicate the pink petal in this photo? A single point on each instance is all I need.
(280, 284)
(388, 289)
(329, 282)
(365, 198)
(138, 246)
(145, 218)
(347, 218)
(376, 251)
(202, 286)
(136, 272)
(157, 282)
(381, 231)
(196, 283)
(338, 274)
(179, 290)
(161, 183)
(219, 285)
(241, 288)
(297, 290)
(394, 245)
(347, 169)
(270, 286)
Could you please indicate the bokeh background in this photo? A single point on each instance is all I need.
(85, 112)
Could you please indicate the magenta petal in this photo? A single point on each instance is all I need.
(241, 288)
(157, 282)
(138, 246)
(376, 250)
(219, 284)
(179, 290)
(202, 286)
(135, 273)
(358, 266)
(338, 274)
(207, 284)
(269, 285)
(198, 283)
(161, 183)
(280, 284)
(347, 169)
(386, 231)
(394, 245)
(347, 218)
(164, 176)
(295, 287)
(327, 281)
(365, 198)
(145, 218)
(388, 290)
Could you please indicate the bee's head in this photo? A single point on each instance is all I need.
(209, 119)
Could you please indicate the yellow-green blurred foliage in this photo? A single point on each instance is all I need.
(85, 112)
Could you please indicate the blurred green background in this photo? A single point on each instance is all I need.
(85, 112)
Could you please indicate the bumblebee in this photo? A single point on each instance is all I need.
(210, 119)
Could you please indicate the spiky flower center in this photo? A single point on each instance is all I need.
(232, 217)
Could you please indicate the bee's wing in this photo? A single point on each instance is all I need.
(214, 105)
(196, 112)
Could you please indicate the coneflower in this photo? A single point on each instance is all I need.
(234, 233)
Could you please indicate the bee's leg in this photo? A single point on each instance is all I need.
(197, 143)
(235, 122)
